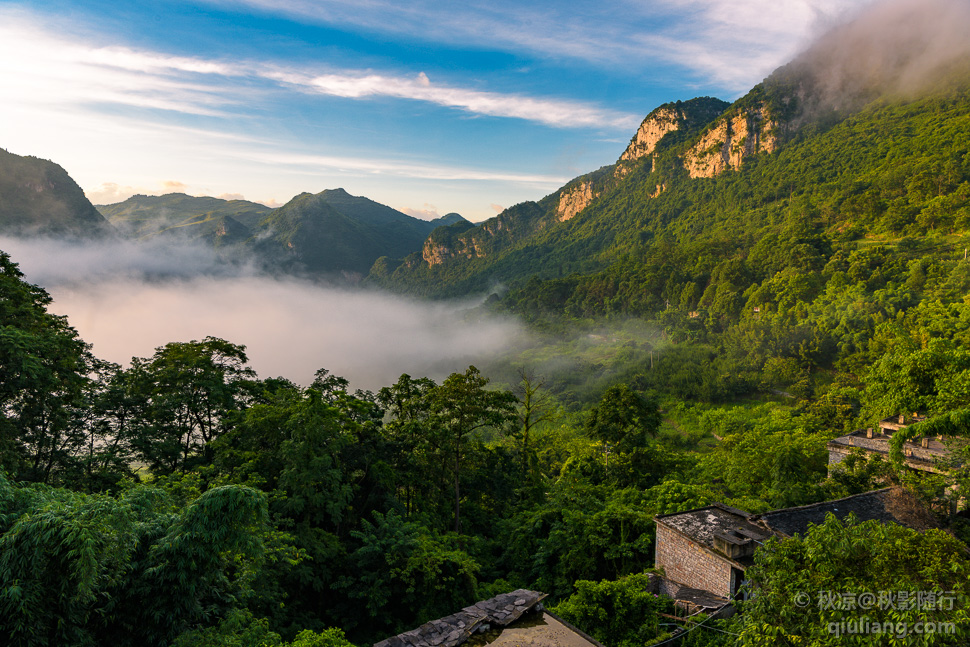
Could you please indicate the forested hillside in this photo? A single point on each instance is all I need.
(39, 198)
(747, 283)
(214, 219)
(327, 234)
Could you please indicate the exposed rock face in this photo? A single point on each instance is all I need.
(436, 253)
(467, 240)
(574, 200)
(685, 116)
(453, 630)
(732, 139)
(657, 124)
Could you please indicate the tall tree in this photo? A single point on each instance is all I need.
(183, 394)
(44, 368)
(536, 407)
(462, 405)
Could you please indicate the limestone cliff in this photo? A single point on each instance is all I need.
(730, 140)
(655, 126)
(681, 117)
(470, 241)
(574, 200)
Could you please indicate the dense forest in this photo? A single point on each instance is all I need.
(693, 340)
(184, 500)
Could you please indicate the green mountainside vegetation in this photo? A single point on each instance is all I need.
(186, 501)
(39, 198)
(333, 231)
(750, 282)
(327, 233)
(214, 219)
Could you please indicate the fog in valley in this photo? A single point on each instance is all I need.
(128, 298)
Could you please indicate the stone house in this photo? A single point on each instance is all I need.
(923, 455)
(710, 548)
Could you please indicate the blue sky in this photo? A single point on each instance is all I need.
(428, 107)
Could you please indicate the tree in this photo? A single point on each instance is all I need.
(137, 569)
(415, 444)
(623, 418)
(44, 367)
(808, 590)
(403, 575)
(536, 407)
(623, 612)
(182, 396)
(462, 405)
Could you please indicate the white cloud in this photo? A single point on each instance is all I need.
(39, 67)
(429, 212)
(551, 112)
(406, 169)
(732, 42)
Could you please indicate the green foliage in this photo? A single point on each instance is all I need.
(621, 612)
(38, 197)
(623, 419)
(404, 574)
(92, 569)
(182, 397)
(581, 532)
(44, 383)
(792, 578)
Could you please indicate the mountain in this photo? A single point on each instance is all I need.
(217, 221)
(811, 156)
(39, 198)
(333, 231)
(326, 233)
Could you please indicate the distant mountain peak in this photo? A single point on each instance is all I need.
(38, 197)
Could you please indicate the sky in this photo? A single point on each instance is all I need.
(427, 107)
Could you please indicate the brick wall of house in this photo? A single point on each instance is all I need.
(690, 563)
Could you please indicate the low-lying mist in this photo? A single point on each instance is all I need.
(126, 299)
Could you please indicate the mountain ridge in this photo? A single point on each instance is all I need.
(39, 198)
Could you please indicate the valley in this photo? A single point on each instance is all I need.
(651, 395)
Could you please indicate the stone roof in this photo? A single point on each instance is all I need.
(703, 525)
(502, 610)
(889, 504)
(915, 454)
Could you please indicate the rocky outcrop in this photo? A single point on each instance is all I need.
(466, 240)
(453, 630)
(687, 116)
(655, 126)
(574, 200)
(437, 252)
(730, 141)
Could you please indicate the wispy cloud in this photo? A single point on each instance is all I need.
(732, 42)
(40, 67)
(551, 112)
(377, 166)
(429, 212)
